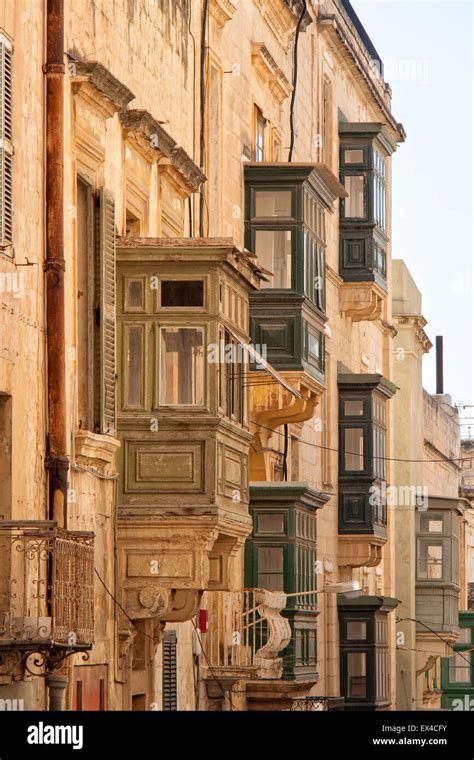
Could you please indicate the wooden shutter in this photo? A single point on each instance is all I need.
(170, 693)
(105, 369)
(6, 149)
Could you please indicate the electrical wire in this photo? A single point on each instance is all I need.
(357, 453)
(447, 643)
(295, 81)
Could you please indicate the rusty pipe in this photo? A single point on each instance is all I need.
(54, 266)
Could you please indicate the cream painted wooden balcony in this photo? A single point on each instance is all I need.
(245, 634)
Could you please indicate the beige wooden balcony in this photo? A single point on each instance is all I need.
(246, 632)
(46, 587)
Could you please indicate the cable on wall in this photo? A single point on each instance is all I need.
(295, 81)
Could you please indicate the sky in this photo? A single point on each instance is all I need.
(427, 50)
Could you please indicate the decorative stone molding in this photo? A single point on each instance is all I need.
(269, 71)
(360, 551)
(222, 11)
(339, 35)
(156, 144)
(275, 406)
(416, 324)
(95, 451)
(361, 301)
(96, 83)
(281, 17)
(164, 563)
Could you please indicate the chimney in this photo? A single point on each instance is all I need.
(439, 365)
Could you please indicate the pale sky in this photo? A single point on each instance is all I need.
(426, 47)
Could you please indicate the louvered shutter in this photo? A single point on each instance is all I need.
(170, 693)
(106, 292)
(6, 148)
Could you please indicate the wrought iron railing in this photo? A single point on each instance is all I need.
(316, 704)
(46, 586)
(246, 632)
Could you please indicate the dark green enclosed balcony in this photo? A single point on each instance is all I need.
(364, 655)
(285, 225)
(364, 149)
(362, 453)
(280, 555)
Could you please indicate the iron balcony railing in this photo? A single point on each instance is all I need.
(316, 704)
(46, 586)
(246, 632)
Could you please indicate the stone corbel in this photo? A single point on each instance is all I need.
(281, 409)
(361, 301)
(95, 451)
(360, 550)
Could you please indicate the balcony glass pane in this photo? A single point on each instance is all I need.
(354, 156)
(135, 294)
(354, 408)
(273, 203)
(356, 674)
(134, 365)
(460, 668)
(273, 248)
(356, 631)
(354, 206)
(182, 366)
(354, 449)
(270, 568)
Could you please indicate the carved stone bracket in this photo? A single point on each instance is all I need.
(360, 550)
(274, 407)
(270, 604)
(361, 301)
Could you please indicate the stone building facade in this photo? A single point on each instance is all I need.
(226, 178)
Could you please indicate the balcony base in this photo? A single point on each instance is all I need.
(274, 696)
(360, 550)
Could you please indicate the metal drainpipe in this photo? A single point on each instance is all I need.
(54, 266)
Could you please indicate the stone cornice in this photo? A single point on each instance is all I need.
(268, 69)
(416, 323)
(98, 84)
(222, 11)
(338, 34)
(281, 16)
(156, 144)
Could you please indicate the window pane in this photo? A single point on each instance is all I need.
(435, 526)
(273, 248)
(460, 668)
(354, 408)
(134, 364)
(270, 568)
(273, 203)
(356, 631)
(354, 204)
(354, 156)
(182, 293)
(435, 562)
(135, 294)
(271, 524)
(356, 674)
(354, 449)
(182, 366)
